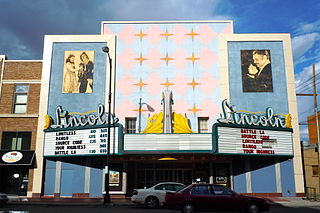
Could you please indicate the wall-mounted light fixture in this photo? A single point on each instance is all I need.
(167, 158)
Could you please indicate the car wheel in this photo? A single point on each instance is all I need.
(152, 202)
(253, 208)
(188, 208)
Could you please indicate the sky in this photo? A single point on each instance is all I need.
(23, 24)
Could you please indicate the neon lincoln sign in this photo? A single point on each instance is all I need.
(230, 115)
(66, 120)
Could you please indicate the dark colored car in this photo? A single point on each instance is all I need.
(3, 198)
(210, 197)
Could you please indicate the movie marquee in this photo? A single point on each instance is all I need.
(252, 134)
(81, 135)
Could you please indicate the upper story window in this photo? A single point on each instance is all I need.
(20, 98)
(131, 125)
(16, 140)
(203, 125)
(315, 170)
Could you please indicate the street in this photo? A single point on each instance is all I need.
(59, 208)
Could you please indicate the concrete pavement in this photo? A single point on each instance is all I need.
(294, 202)
(280, 201)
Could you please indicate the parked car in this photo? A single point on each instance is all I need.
(210, 197)
(154, 196)
(3, 198)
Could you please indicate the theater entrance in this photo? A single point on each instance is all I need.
(151, 173)
(144, 171)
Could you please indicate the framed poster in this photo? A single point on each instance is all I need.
(114, 178)
(256, 71)
(78, 72)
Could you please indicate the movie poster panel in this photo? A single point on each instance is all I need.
(78, 72)
(256, 71)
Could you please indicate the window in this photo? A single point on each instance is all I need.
(203, 125)
(170, 187)
(221, 190)
(160, 187)
(20, 98)
(201, 190)
(131, 125)
(16, 140)
(178, 187)
(315, 170)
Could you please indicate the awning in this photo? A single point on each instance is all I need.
(16, 157)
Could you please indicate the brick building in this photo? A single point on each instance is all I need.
(310, 157)
(19, 107)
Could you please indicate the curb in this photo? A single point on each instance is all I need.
(61, 203)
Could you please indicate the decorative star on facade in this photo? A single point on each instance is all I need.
(167, 59)
(193, 83)
(141, 59)
(140, 84)
(166, 34)
(192, 34)
(167, 84)
(192, 58)
(141, 34)
(194, 109)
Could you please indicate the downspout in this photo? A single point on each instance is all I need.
(2, 57)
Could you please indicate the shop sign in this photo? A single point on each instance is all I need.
(12, 157)
(267, 119)
(80, 142)
(69, 120)
(250, 141)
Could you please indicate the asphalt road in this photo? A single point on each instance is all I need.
(11, 208)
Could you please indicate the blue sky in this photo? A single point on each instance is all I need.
(23, 24)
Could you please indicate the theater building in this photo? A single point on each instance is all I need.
(19, 105)
(189, 101)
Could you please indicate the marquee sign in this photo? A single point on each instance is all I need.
(64, 119)
(85, 141)
(245, 140)
(242, 117)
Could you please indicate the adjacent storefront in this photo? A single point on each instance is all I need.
(14, 169)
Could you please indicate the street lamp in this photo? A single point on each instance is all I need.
(140, 107)
(106, 197)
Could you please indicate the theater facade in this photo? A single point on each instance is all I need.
(185, 101)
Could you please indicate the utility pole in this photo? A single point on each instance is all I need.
(106, 197)
(317, 120)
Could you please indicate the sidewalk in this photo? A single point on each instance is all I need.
(22, 200)
(293, 202)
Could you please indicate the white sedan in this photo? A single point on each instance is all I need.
(154, 196)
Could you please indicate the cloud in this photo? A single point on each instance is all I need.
(164, 9)
(304, 133)
(303, 43)
(15, 48)
(304, 28)
(28, 23)
(306, 103)
(304, 78)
